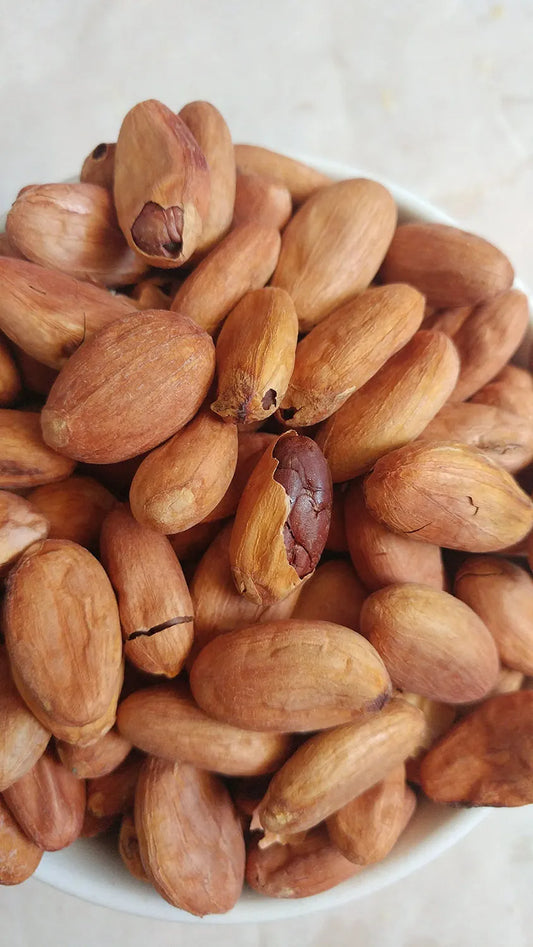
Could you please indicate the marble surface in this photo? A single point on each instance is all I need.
(435, 95)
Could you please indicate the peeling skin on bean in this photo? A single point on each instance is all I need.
(304, 475)
(149, 632)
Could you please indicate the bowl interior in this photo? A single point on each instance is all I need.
(93, 870)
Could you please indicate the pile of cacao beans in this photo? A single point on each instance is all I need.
(265, 518)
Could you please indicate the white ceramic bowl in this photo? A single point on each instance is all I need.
(92, 869)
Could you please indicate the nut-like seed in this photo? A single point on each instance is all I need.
(49, 314)
(48, 803)
(333, 593)
(214, 139)
(128, 847)
(367, 828)
(333, 246)
(431, 643)
(98, 759)
(164, 721)
(487, 339)
(21, 525)
(99, 166)
(511, 390)
(382, 557)
(36, 377)
(10, 384)
(300, 179)
(255, 355)
(180, 483)
(25, 460)
(19, 856)
(62, 633)
(114, 793)
(73, 228)
(505, 437)
(450, 495)
(289, 675)
(22, 738)
(190, 838)
(155, 607)
(193, 543)
(392, 408)
(450, 266)
(243, 261)
(347, 348)
(487, 758)
(334, 767)
(282, 520)
(337, 540)
(501, 593)
(75, 509)
(297, 869)
(161, 185)
(218, 607)
(251, 447)
(262, 200)
(98, 406)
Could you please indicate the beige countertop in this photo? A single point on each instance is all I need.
(436, 96)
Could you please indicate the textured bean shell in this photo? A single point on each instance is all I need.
(164, 721)
(367, 828)
(333, 246)
(449, 266)
(487, 758)
(333, 593)
(347, 348)
(158, 161)
(431, 643)
(503, 436)
(190, 838)
(297, 869)
(289, 675)
(255, 355)
(299, 178)
(218, 607)
(19, 856)
(49, 314)
(98, 759)
(487, 339)
(48, 803)
(155, 607)
(251, 447)
(113, 794)
(73, 228)
(25, 460)
(243, 261)
(334, 767)
(501, 593)
(381, 557)
(10, 383)
(261, 200)
(59, 605)
(213, 137)
(75, 509)
(21, 524)
(90, 413)
(393, 408)
(182, 481)
(99, 165)
(450, 495)
(128, 848)
(511, 390)
(22, 738)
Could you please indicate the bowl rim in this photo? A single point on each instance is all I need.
(109, 885)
